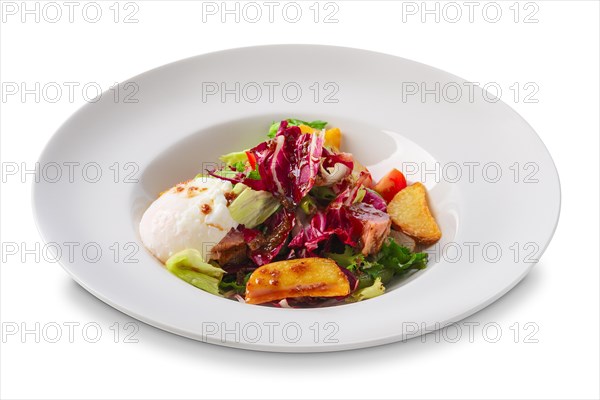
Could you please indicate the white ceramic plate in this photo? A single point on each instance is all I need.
(496, 194)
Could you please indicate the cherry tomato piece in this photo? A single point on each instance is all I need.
(390, 184)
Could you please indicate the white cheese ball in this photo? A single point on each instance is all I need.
(191, 215)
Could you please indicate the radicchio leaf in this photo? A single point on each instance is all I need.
(264, 248)
(334, 220)
(295, 162)
(375, 200)
(334, 167)
(330, 159)
(287, 165)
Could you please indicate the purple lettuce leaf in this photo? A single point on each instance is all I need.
(375, 200)
(295, 162)
(288, 165)
(330, 159)
(334, 220)
(263, 248)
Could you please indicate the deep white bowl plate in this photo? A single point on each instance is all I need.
(496, 192)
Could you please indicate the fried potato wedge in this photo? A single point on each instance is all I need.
(303, 277)
(410, 213)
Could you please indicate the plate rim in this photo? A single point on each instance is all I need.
(278, 347)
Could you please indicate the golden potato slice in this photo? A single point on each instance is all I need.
(410, 213)
(304, 277)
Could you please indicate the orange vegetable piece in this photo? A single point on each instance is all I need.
(307, 129)
(333, 138)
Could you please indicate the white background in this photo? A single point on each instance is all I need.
(560, 297)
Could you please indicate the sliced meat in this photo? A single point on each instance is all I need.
(403, 239)
(231, 249)
(374, 224)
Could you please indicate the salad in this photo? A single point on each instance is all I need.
(291, 222)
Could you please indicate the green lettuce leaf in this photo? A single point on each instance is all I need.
(318, 124)
(348, 259)
(252, 207)
(401, 259)
(376, 289)
(190, 266)
(234, 158)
